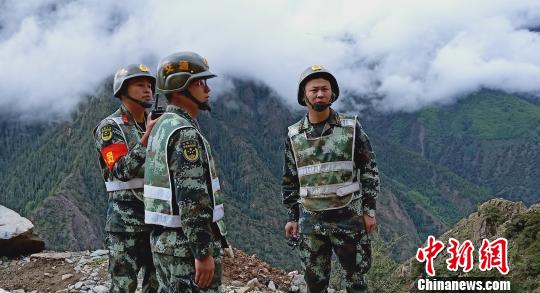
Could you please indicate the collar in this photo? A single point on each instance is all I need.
(126, 115)
(333, 120)
(182, 113)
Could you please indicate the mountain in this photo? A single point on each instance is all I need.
(491, 139)
(54, 179)
(430, 196)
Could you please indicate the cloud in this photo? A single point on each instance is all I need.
(404, 54)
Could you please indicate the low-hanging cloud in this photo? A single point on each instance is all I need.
(404, 55)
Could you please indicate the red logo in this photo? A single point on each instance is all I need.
(494, 255)
(491, 255)
(460, 255)
(428, 254)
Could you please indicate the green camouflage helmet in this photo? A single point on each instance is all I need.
(312, 72)
(128, 72)
(177, 70)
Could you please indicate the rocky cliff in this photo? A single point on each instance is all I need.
(494, 219)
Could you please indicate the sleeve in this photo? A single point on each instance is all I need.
(289, 185)
(191, 174)
(113, 152)
(368, 172)
(100, 144)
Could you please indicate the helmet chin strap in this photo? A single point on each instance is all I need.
(143, 104)
(203, 106)
(317, 107)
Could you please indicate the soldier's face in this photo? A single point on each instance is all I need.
(318, 91)
(140, 88)
(199, 89)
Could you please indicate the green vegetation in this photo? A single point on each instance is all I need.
(487, 115)
(524, 232)
(491, 139)
(433, 196)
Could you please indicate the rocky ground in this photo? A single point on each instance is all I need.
(87, 272)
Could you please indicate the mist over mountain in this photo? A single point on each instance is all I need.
(398, 56)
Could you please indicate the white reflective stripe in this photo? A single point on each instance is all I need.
(348, 189)
(172, 221)
(124, 185)
(219, 212)
(118, 120)
(157, 192)
(348, 122)
(326, 167)
(215, 184)
(338, 189)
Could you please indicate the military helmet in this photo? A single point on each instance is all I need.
(128, 72)
(177, 70)
(312, 72)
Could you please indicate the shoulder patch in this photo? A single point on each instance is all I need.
(106, 133)
(295, 128)
(190, 150)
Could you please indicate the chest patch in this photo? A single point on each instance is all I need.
(190, 150)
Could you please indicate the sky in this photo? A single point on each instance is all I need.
(398, 55)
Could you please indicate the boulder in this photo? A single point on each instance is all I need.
(16, 235)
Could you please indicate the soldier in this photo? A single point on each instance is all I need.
(121, 140)
(182, 192)
(330, 184)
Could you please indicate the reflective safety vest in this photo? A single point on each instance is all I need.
(159, 204)
(113, 184)
(325, 165)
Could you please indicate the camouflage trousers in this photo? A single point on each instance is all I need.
(353, 251)
(129, 253)
(175, 264)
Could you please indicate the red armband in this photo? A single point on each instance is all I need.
(113, 152)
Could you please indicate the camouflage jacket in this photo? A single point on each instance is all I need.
(121, 158)
(367, 173)
(191, 180)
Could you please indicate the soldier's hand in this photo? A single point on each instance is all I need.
(291, 229)
(370, 223)
(150, 123)
(204, 271)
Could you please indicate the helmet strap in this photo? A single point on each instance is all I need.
(203, 106)
(143, 104)
(318, 107)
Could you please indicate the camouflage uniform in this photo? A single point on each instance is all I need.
(331, 223)
(121, 157)
(180, 202)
